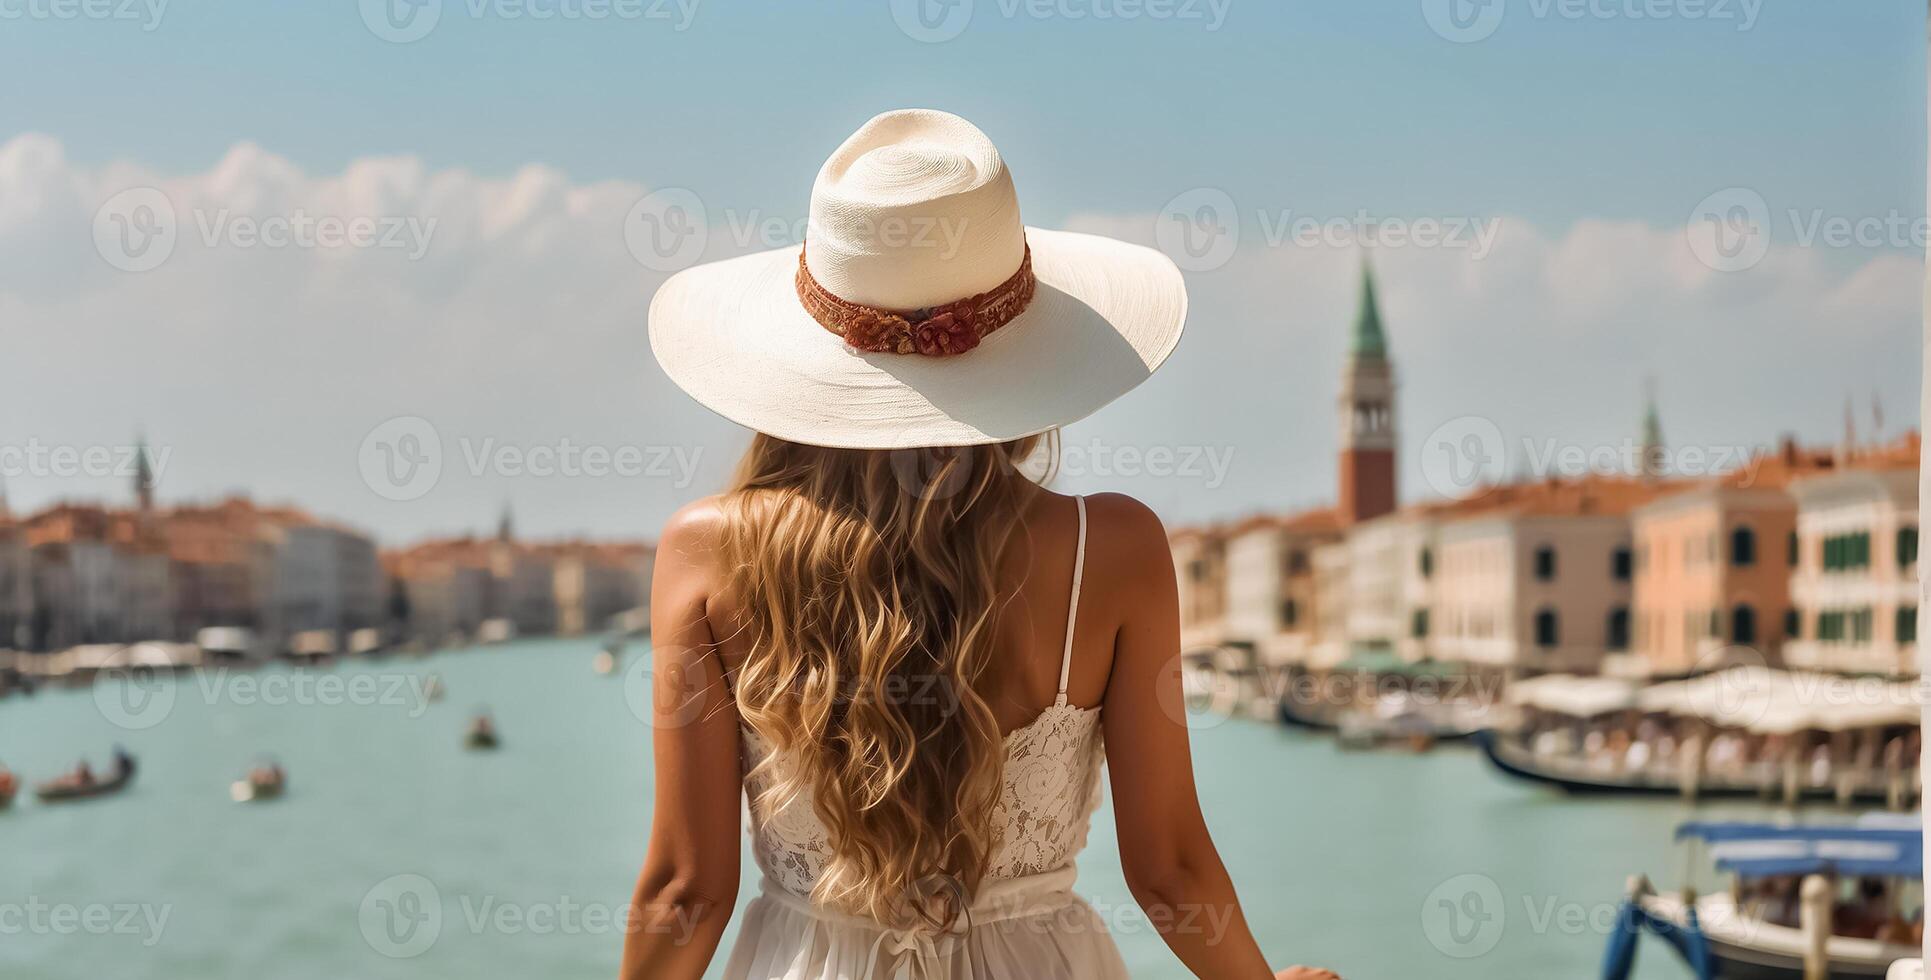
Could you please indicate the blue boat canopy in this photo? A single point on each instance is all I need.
(1754, 850)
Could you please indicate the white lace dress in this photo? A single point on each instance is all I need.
(1025, 921)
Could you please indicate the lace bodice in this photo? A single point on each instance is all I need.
(1050, 788)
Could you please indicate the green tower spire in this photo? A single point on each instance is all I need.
(1367, 340)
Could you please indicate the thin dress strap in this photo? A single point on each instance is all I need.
(1072, 606)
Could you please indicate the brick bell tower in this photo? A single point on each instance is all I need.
(1367, 410)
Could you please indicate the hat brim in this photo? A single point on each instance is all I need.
(733, 335)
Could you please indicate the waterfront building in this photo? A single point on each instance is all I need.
(16, 582)
(445, 590)
(595, 583)
(1713, 566)
(1200, 566)
(1536, 577)
(1390, 585)
(93, 579)
(323, 577)
(1272, 601)
(1854, 590)
(220, 566)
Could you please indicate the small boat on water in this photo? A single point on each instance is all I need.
(264, 782)
(481, 734)
(606, 661)
(1845, 900)
(9, 785)
(82, 784)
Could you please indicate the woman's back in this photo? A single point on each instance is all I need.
(1052, 752)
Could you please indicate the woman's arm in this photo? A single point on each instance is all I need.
(689, 883)
(1169, 859)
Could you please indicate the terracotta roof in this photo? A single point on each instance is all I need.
(1595, 495)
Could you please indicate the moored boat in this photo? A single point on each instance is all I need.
(1582, 777)
(1787, 907)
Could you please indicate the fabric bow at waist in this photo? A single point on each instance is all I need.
(920, 951)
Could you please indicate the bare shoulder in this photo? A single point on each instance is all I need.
(695, 528)
(1128, 541)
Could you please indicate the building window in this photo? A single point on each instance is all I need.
(1427, 562)
(1716, 623)
(1548, 629)
(1793, 623)
(1844, 552)
(1290, 613)
(1419, 623)
(1545, 564)
(1796, 551)
(1743, 625)
(1907, 624)
(1619, 628)
(1622, 564)
(1861, 626)
(1907, 547)
(1743, 547)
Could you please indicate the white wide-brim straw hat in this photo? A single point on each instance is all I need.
(911, 215)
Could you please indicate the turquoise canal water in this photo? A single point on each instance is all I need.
(1380, 865)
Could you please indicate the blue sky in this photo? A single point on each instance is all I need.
(1589, 133)
(1339, 103)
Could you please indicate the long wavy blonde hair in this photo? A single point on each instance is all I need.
(866, 585)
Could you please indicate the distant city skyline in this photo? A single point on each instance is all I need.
(428, 247)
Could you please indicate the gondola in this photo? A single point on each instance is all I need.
(1297, 716)
(64, 790)
(1582, 780)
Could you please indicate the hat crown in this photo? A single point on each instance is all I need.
(914, 210)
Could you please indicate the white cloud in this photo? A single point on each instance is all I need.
(523, 321)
